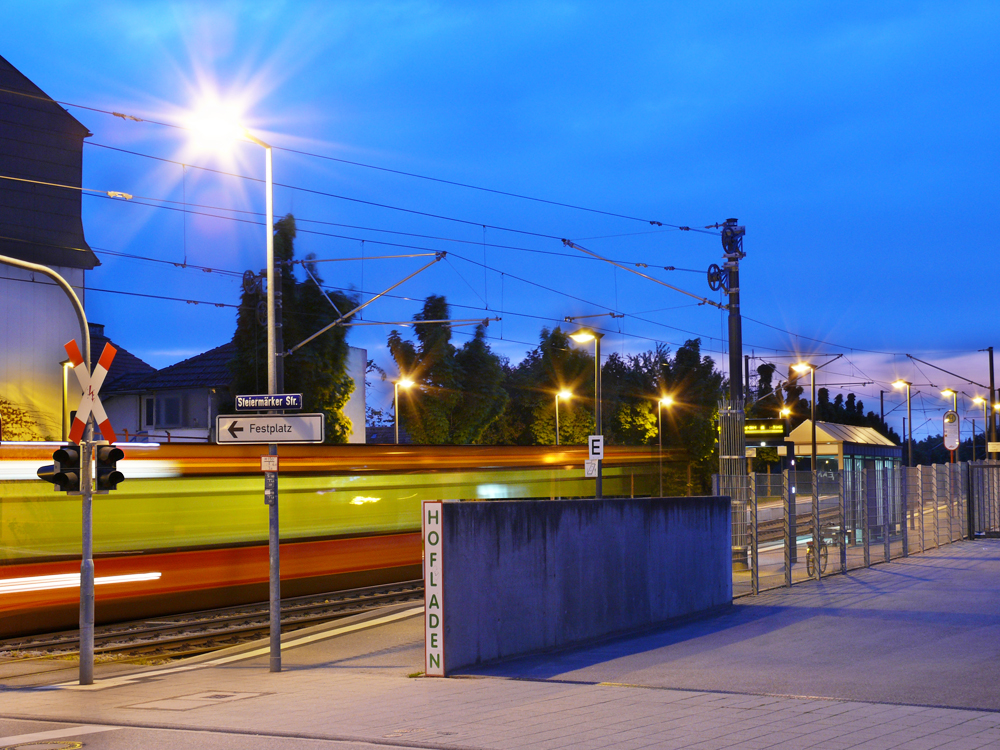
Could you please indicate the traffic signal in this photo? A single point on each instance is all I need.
(107, 476)
(64, 472)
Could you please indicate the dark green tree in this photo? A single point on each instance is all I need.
(458, 392)
(319, 369)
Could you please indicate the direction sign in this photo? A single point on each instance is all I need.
(261, 429)
(274, 401)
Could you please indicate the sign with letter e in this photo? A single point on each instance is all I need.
(432, 513)
(595, 447)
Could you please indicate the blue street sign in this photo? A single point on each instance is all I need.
(266, 403)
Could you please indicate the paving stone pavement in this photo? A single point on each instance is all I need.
(353, 690)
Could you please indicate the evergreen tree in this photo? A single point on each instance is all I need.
(319, 369)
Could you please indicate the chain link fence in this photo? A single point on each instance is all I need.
(865, 517)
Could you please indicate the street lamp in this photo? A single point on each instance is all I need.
(406, 383)
(909, 420)
(221, 127)
(582, 336)
(802, 368)
(565, 396)
(665, 401)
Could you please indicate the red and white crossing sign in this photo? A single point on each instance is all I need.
(90, 403)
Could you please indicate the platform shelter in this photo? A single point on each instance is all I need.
(844, 447)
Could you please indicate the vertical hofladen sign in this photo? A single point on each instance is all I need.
(433, 590)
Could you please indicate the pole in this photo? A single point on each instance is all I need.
(993, 400)
(597, 407)
(732, 245)
(815, 473)
(659, 438)
(557, 419)
(273, 533)
(909, 423)
(395, 408)
(86, 485)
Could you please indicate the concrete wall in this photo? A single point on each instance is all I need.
(523, 576)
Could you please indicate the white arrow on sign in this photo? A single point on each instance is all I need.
(261, 429)
(90, 403)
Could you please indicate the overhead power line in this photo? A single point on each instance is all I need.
(387, 170)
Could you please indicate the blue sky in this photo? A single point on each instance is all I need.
(855, 141)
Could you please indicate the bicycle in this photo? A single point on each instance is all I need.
(837, 537)
(824, 555)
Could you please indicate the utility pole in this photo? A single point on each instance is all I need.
(993, 402)
(732, 246)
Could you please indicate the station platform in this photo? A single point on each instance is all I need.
(902, 655)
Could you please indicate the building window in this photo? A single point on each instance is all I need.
(168, 411)
(150, 412)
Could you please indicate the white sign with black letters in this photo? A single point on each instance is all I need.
(595, 447)
(433, 590)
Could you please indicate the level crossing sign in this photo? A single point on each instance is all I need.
(90, 402)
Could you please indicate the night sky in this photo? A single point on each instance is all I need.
(855, 141)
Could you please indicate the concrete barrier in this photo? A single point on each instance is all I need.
(505, 578)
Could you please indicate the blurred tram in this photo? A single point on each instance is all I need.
(187, 530)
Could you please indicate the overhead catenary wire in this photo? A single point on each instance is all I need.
(388, 170)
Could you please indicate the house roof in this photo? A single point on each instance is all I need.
(207, 370)
(828, 432)
(42, 143)
(125, 368)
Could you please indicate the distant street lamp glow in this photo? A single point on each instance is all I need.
(405, 383)
(565, 396)
(664, 401)
(909, 419)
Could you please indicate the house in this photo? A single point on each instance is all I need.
(41, 224)
(180, 403)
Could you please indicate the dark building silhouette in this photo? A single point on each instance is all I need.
(40, 142)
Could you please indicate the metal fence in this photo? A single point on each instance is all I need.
(863, 517)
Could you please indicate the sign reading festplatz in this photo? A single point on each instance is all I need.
(433, 591)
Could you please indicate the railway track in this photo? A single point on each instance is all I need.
(177, 636)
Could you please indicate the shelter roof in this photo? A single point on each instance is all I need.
(828, 432)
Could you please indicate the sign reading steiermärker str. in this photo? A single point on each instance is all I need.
(273, 401)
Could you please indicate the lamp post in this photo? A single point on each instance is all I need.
(565, 396)
(909, 419)
(582, 336)
(665, 401)
(218, 127)
(802, 368)
(986, 417)
(406, 383)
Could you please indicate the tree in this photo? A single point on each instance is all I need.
(319, 369)
(458, 392)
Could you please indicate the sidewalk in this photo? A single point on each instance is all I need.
(901, 655)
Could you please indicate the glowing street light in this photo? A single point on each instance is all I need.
(665, 401)
(217, 127)
(582, 336)
(405, 383)
(909, 419)
(565, 396)
(954, 397)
